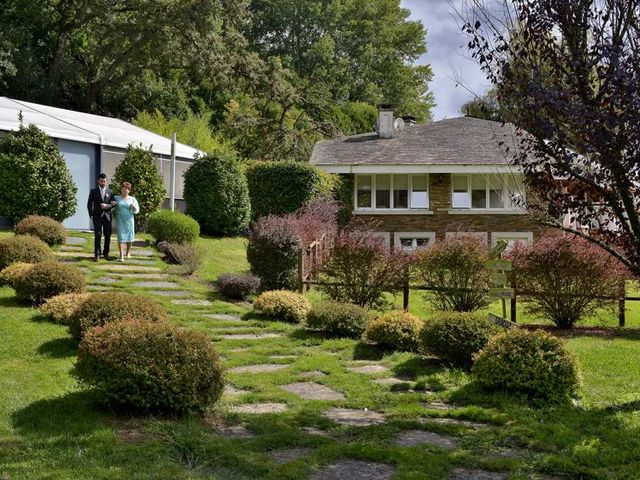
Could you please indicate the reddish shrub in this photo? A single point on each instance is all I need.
(457, 270)
(362, 268)
(237, 287)
(564, 278)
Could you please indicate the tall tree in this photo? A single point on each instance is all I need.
(574, 68)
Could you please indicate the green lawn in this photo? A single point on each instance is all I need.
(52, 428)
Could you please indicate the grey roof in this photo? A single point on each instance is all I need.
(455, 141)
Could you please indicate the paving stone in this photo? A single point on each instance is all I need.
(354, 470)
(170, 293)
(155, 284)
(467, 474)
(286, 455)
(98, 288)
(412, 438)
(128, 268)
(138, 261)
(357, 418)
(282, 357)
(312, 391)
(250, 336)
(141, 253)
(236, 431)
(369, 369)
(439, 406)
(223, 316)
(105, 280)
(315, 431)
(75, 254)
(260, 368)
(312, 374)
(391, 381)
(453, 421)
(142, 276)
(71, 248)
(75, 240)
(233, 391)
(259, 408)
(195, 302)
(238, 350)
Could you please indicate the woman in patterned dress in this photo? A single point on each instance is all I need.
(126, 207)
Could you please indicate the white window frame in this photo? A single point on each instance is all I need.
(488, 208)
(525, 236)
(431, 236)
(409, 209)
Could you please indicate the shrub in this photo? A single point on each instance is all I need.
(35, 179)
(283, 305)
(46, 280)
(237, 287)
(173, 227)
(342, 319)
(107, 307)
(216, 194)
(281, 187)
(138, 167)
(62, 308)
(24, 248)
(395, 330)
(564, 278)
(272, 252)
(457, 269)
(151, 367)
(46, 229)
(457, 336)
(362, 268)
(529, 362)
(9, 275)
(186, 257)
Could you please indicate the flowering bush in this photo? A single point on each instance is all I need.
(457, 271)
(342, 319)
(395, 330)
(283, 305)
(362, 268)
(564, 278)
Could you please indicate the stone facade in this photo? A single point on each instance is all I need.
(442, 222)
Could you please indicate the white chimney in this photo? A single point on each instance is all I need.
(385, 121)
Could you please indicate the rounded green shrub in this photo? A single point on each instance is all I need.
(62, 308)
(457, 336)
(24, 248)
(283, 305)
(341, 319)
(173, 227)
(533, 363)
(35, 178)
(46, 280)
(9, 275)
(216, 194)
(151, 367)
(46, 229)
(280, 187)
(108, 307)
(396, 330)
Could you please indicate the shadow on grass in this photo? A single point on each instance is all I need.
(58, 348)
(364, 351)
(588, 331)
(12, 302)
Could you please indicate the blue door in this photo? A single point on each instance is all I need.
(81, 161)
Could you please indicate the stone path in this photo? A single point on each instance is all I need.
(453, 421)
(262, 368)
(155, 284)
(250, 336)
(194, 302)
(233, 391)
(287, 455)
(170, 293)
(354, 470)
(259, 408)
(312, 391)
(353, 417)
(439, 406)
(369, 369)
(412, 438)
(236, 431)
(75, 240)
(223, 316)
(117, 267)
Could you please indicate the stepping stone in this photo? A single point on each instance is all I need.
(315, 431)
(223, 316)
(250, 336)
(141, 253)
(412, 438)
(439, 406)
(98, 288)
(136, 261)
(282, 357)
(354, 470)
(262, 368)
(105, 280)
(75, 254)
(155, 284)
(287, 455)
(369, 369)
(312, 391)
(391, 381)
(128, 268)
(236, 431)
(238, 350)
(312, 374)
(467, 474)
(170, 293)
(68, 260)
(353, 417)
(70, 248)
(199, 303)
(142, 276)
(453, 421)
(75, 240)
(233, 391)
(259, 408)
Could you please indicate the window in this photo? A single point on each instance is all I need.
(413, 240)
(477, 191)
(392, 192)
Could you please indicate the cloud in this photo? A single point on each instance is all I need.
(448, 55)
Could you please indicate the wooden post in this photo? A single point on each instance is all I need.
(621, 304)
(301, 286)
(513, 309)
(405, 294)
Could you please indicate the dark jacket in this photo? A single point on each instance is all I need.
(93, 204)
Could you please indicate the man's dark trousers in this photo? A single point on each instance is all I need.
(102, 226)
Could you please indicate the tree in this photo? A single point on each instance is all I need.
(35, 179)
(486, 107)
(139, 169)
(574, 68)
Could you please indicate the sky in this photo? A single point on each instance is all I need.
(448, 56)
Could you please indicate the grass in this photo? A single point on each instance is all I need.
(51, 427)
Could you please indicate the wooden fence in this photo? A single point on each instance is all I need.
(311, 259)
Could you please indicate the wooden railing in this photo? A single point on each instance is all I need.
(311, 259)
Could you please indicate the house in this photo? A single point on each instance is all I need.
(422, 183)
(92, 144)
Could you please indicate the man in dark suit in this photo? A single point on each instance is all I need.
(99, 206)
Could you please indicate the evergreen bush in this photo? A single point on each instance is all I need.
(340, 319)
(46, 229)
(24, 248)
(46, 280)
(62, 308)
(173, 227)
(282, 305)
(395, 330)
